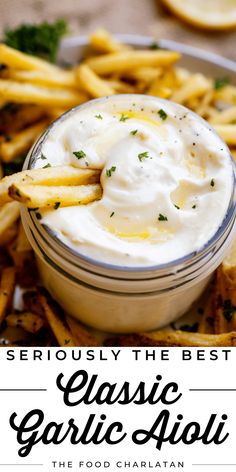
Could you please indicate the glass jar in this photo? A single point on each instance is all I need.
(122, 299)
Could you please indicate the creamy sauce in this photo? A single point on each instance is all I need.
(167, 180)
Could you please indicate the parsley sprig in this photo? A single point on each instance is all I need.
(79, 154)
(143, 155)
(109, 171)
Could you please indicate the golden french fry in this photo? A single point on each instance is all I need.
(6, 290)
(80, 333)
(224, 302)
(19, 60)
(38, 196)
(225, 117)
(62, 78)
(20, 92)
(195, 86)
(8, 235)
(103, 41)
(15, 117)
(227, 132)
(9, 214)
(127, 60)
(92, 83)
(22, 243)
(145, 74)
(226, 94)
(28, 321)
(174, 338)
(21, 142)
(57, 324)
(58, 175)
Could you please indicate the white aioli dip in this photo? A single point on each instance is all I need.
(167, 180)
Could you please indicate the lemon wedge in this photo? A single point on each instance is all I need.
(208, 14)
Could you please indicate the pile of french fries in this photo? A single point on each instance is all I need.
(32, 94)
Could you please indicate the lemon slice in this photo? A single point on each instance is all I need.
(208, 14)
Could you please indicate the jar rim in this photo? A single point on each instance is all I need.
(172, 265)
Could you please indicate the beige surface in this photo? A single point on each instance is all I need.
(124, 16)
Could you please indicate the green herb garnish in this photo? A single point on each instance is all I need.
(212, 183)
(190, 328)
(176, 206)
(38, 216)
(134, 132)
(154, 46)
(99, 117)
(112, 214)
(47, 165)
(163, 115)
(124, 117)
(143, 155)
(56, 205)
(221, 82)
(109, 171)
(38, 40)
(229, 310)
(18, 193)
(194, 206)
(162, 217)
(42, 157)
(79, 154)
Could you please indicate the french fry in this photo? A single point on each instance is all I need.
(6, 290)
(19, 60)
(227, 132)
(103, 41)
(21, 142)
(22, 243)
(127, 60)
(15, 117)
(174, 338)
(28, 321)
(8, 235)
(37, 196)
(225, 303)
(224, 117)
(19, 92)
(80, 333)
(92, 83)
(62, 78)
(32, 303)
(57, 324)
(195, 86)
(9, 214)
(146, 74)
(58, 175)
(226, 94)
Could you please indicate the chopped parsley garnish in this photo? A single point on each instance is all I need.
(154, 46)
(38, 216)
(124, 117)
(143, 155)
(212, 183)
(134, 132)
(99, 117)
(79, 154)
(42, 157)
(38, 40)
(163, 115)
(112, 214)
(176, 206)
(229, 310)
(194, 206)
(56, 205)
(66, 341)
(190, 328)
(221, 82)
(47, 165)
(18, 193)
(109, 171)
(162, 217)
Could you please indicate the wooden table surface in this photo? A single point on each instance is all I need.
(119, 16)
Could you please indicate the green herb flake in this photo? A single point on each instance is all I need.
(109, 171)
(42, 157)
(79, 154)
(124, 117)
(163, 115)
(176, 206)
(134, 132)
(112, 214)
(99, 117)
(162, 217)
(221, 82)
(212, 183)
(154, 46)
(47, 165)
(228, 310)
(190, 328)
(194, 206)
(143, 155)
(38, 216)
(66, 341)
(18, 193)
(56, 205)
